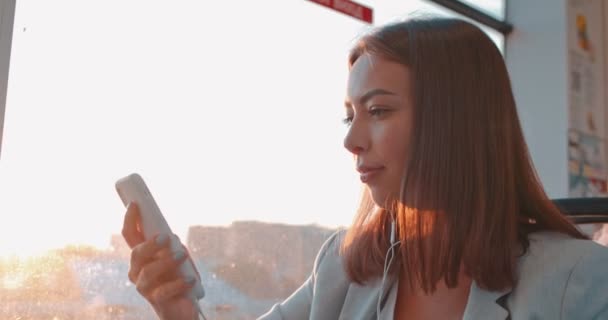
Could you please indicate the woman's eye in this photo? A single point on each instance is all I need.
(376, 112)
(348, 120)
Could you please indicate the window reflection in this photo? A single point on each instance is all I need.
(70, 96)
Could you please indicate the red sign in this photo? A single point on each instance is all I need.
(351, 8)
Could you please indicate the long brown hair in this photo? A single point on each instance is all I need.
(469, 177)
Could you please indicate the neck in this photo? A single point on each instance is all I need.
(443, 303)
(441, 288)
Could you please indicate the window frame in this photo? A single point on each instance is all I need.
(475, 14)
(7, 21)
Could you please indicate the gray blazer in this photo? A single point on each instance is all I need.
(559, 278)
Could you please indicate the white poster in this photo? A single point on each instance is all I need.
(587, 106)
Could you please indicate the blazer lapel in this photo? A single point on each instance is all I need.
(484, 304)
(360, 302)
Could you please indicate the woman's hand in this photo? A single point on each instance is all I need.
(154, 271)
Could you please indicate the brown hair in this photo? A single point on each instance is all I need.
(469, 177)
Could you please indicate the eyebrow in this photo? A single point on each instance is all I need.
(370, 94)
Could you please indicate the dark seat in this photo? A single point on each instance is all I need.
(584, 210)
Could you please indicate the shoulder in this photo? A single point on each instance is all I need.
(328, 258)
(587, 285)
(319, 292)
(551, 243)
(559, 250)
(553, 253)
(329, 280)
(561, 271)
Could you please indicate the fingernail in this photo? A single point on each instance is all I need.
(179, 255)
(161, 239)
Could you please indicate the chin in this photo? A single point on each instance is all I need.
(379, 198)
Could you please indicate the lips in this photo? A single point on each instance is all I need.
(367, 173)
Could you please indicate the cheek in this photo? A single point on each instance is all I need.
(392, 145)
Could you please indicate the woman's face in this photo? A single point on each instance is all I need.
(379, 112)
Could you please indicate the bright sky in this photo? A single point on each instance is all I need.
(230, 110)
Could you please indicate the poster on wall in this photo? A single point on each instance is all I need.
(587, 162)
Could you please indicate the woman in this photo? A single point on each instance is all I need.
(454, 223)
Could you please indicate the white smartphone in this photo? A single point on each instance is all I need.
(132, 188)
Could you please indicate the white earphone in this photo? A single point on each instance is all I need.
(387, 265)
(392, 232)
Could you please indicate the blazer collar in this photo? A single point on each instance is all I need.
(484, 304)
(360, 303)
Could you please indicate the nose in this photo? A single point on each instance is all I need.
(356, 140)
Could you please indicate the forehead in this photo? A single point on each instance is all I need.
(372, 72)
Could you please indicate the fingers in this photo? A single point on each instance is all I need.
(155, 274)
(170, 290)
(130, 229)
(198, 274)
(145, 252)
